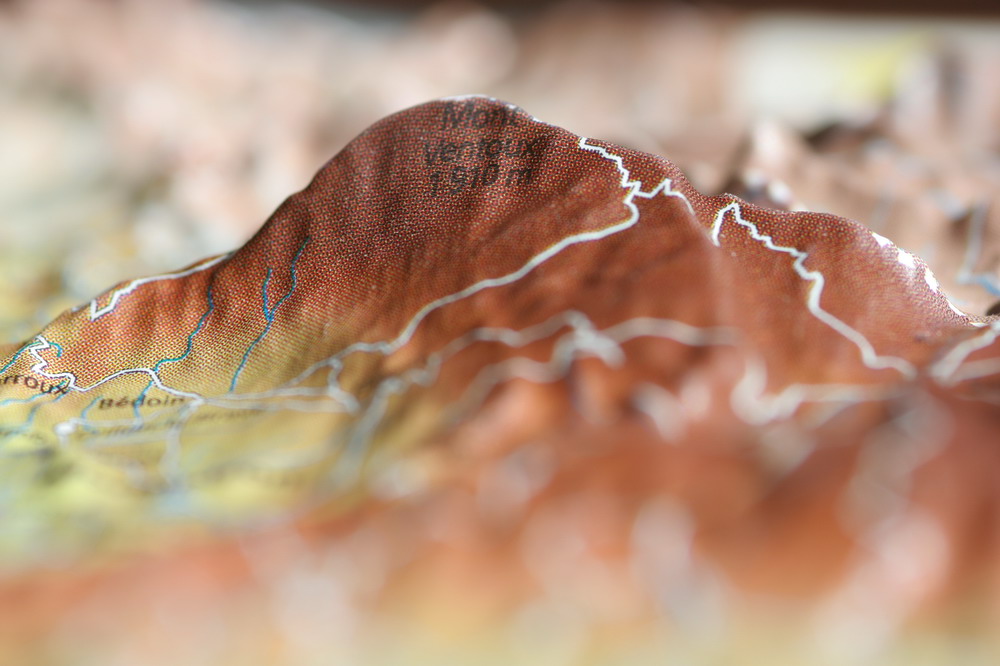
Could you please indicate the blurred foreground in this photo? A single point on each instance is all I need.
(140, 137)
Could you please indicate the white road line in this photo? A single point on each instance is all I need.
(868, 354)
(634, 190)
(751, 402)
(39, 368)
(116, 296)
(944, 369)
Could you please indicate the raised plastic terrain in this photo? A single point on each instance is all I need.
(492, 365)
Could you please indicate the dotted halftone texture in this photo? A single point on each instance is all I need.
(468, 214)
(374, 245)
(772, 349)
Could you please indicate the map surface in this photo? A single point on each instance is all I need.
(571, 374)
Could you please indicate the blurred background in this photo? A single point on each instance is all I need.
(138, 136)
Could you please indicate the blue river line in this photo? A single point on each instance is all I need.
(187, 349)
(269, 313)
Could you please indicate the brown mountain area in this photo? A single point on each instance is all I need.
(544, 377)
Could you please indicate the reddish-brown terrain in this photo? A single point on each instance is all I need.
(539, 376)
